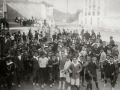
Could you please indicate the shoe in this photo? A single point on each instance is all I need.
(42, 86)
(13, 84)
(102, 80)
(33, 84)
(98, 88)
(104, 85)
(113, 88)
(83, 85)
(19, 86)
(63, 88)
(51, 86)
(59, 87)
(37, 84)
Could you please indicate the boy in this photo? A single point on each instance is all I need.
(116, 62)
(62, 62)
(43, 61)
(67, 74)
(20, 67)
(10, 69)
(110, 72)
(75, 69)
(35, 68)
(92, 67)
(102, 59)
(52, 69)
(82, 62)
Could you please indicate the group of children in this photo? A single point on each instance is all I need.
(70, 56)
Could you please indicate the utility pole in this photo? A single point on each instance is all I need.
(67, 9)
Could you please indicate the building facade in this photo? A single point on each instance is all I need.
(100, 13)
(93, 13)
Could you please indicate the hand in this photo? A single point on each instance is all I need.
(12, 73)
(112, 73)
(78, 72)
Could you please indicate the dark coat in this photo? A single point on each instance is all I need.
(92, 67)
(5, 45)
(19, 63)
(35, 64)
(109, 69)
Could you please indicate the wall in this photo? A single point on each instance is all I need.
(23, 10)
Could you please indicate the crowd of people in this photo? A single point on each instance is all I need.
(24, 22)
(65, 56)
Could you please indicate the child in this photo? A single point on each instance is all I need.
(75, 69)
(110, 72)
(35, 68)
(92, 67)
(43, 61)
(82, 62)
(102, 59)
(88, 75)
(51, 69)
(62, 61)
(116, 62)
(10, 69)
(66, 67)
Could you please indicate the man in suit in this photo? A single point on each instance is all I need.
(20, 66)
(6, 44)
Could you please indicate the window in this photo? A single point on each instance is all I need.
(89, 13)
(98, 13)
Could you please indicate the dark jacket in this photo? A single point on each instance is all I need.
(19, 63)
(92, 67)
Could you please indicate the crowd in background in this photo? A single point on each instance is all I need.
(63, 56)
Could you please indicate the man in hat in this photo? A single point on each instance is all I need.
(112, 42)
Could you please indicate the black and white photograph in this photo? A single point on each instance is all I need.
(59, 44)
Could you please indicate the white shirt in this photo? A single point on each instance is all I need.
(19, 57)
(12, 37)
(43, 62)
(67, 64)
(35, 57)
(75, 64)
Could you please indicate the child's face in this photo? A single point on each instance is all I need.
(88, 58)
(81, 58)
(74, 60)
(111, 60)
(108, 57)
(116, 57)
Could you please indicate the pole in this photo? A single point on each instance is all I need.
(67, 9)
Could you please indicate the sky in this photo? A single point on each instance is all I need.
(73, 5)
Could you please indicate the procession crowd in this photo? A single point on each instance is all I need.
(64, 56)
